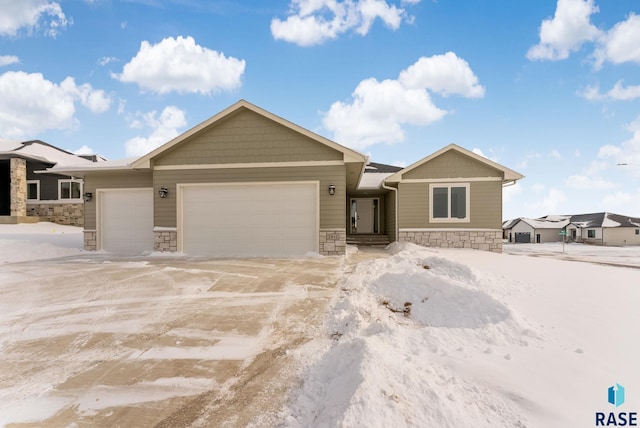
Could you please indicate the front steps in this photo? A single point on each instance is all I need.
(368, 240)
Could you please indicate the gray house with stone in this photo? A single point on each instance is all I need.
(249, 183)
(28, 194)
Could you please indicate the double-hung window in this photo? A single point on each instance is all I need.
(70, 189)
(449, 203)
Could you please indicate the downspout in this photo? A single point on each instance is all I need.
(397, 231)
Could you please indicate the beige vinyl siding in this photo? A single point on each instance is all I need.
(452, 164)
(247, 137)
(390, 215)
(110, 180)
(332, 208)
(485, 206)
(620, 236)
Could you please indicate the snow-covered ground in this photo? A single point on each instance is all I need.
(461, 338)
(24, 242)
(452, 338)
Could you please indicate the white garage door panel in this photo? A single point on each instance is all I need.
(126, 220)
(276, 219)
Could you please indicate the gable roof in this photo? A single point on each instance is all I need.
(604, 219)
(509, 174)
(349, 154)
(44, 153)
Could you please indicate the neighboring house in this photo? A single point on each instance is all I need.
(595, 228)
(28, 195)
(604, 229)
(528, 230)
(248, 183)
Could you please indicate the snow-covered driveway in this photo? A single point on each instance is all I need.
(96, 340)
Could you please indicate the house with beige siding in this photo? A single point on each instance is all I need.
(249, 183)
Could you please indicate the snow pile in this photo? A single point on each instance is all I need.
(39, 241)
(401, 331)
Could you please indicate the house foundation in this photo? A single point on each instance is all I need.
(486, 240)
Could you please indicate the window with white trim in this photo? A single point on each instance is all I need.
(33, 190)
(449, 202)
(591, 233)
(70, 189)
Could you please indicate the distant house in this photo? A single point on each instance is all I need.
(28, 194)
(604, 229)
(246, 182)
(527, 230)
(595, 228)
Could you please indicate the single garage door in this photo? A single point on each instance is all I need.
(126, 220)
(271, 219)
(523, 237)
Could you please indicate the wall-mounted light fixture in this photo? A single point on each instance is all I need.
(332, 189)
(88, 196)
(163, 192)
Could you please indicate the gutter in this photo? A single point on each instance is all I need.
(384, 186)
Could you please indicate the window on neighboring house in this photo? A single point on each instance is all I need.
(70, 189)
(637, 231)
(449, 203)
(33, 190)
(591, 233)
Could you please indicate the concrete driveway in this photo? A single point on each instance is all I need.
(175, 341)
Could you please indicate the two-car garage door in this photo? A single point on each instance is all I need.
(264, 219)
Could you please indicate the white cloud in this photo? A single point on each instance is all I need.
(30, 104)
(312, 22)
(621, 43)
(566, 31)
(444, 74)
(538, 188)
(551, 203)
(524, 163)
(627, 153)
(379, 110)
(163, 129)
(8, 60)
(511, 192)
(587, 182)
(96, 100)
(555, 154)
(622, 202)
(31, 15)
(106, 60)
(84, 150)
(183, 66)
(619, 92)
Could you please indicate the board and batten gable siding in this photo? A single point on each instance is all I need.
(485, 206)
(452, 164)
(332, 207)
(246, 137)
(111, 180)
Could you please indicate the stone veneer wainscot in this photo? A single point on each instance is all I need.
(165, 239)
(486, 240)
(60, 213)
(333, 242)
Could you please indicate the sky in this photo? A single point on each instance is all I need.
(550, 89)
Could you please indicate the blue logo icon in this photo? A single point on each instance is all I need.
(616, 395)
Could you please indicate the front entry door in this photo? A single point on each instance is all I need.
(364, 215)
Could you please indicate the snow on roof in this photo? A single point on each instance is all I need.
(41, 151)
(546, 224)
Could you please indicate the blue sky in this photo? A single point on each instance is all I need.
(548, 88)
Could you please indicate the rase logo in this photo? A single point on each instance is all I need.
(615, 396)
